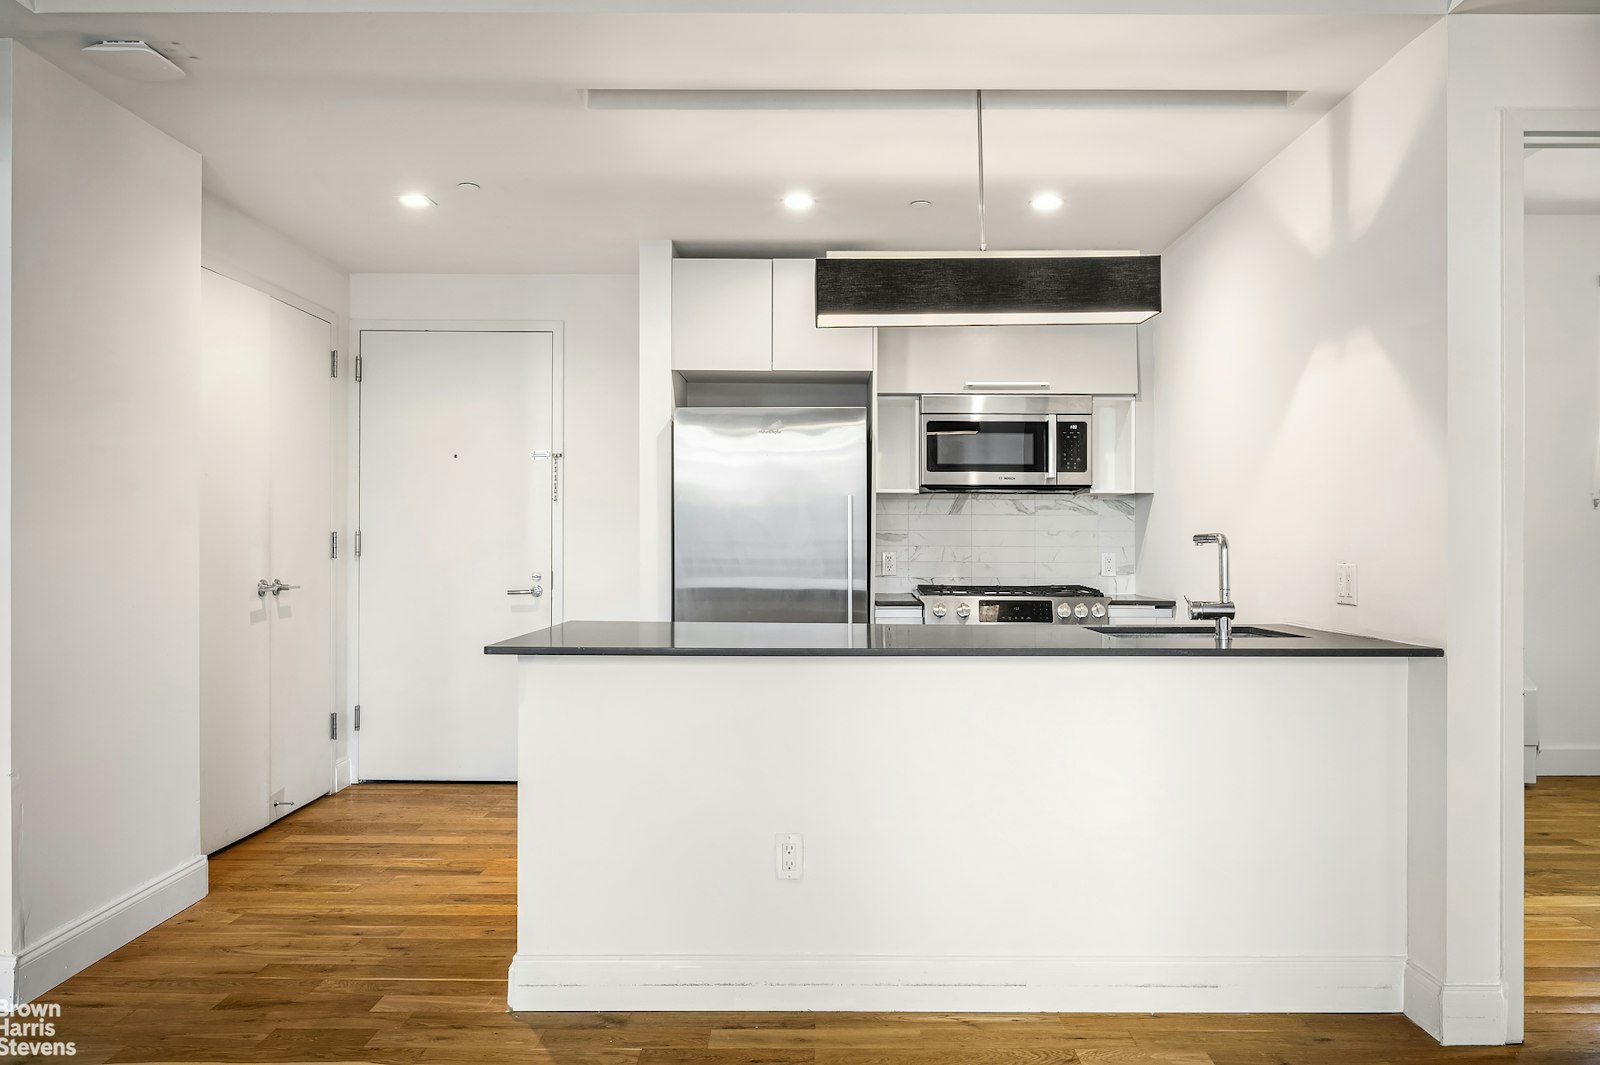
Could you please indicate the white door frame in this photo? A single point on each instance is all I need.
(558, 577)
(1515, 125)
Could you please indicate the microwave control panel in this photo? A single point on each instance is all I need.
(1072, 446)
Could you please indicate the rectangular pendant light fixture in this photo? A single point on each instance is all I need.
(856, 291)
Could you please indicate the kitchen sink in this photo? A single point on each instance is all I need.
(1187, 631)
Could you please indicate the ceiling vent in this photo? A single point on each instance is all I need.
(859, 290)
(134, 60)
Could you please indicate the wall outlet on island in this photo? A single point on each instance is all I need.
(1108, 563)
(789, 857)
(886, 563)
(1346, 588)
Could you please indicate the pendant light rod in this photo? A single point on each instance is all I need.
(983, 236)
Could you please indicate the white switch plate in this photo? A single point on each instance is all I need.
(790, 857)
(886, 563)
(1345, 573)
(1108, 563)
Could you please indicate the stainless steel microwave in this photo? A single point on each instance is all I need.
(1007, 441)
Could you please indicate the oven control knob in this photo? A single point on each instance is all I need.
(1064, 611)
(1098, 610)
(1081, 610)
(939, 610)
(963, 611)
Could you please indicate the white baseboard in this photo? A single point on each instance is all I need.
(1424, 1000)
(8, 978)
(1455, 1015)
(341, 774)
(1569, 761)
(957, 984)
(85, 941)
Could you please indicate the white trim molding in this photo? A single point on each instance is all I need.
(341, 774)
(625, 983)
(75, 947)
(1455, 1015)
(1568, 761)
(8, 978)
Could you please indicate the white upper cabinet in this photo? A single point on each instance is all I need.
(899, 444)
(797, 343)
(1084, 360)
(722, 314)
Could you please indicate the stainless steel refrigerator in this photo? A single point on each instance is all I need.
(770, 507)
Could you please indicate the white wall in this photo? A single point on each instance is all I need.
(8, 945)
(600, 476)
(104, 377)
(1299, 370)
(1563, 526)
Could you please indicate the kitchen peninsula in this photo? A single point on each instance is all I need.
(1017, 818)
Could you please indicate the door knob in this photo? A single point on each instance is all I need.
(536, 591)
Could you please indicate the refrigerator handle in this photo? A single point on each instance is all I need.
(849, 560)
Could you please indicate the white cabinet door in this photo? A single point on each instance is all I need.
(797, 343)
(899, 444)
(722, 314)
(456, 511)
(1085, 360)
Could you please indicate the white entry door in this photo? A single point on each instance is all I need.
(266, 511)
(456, 511)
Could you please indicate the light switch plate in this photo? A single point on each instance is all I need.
(1345, 591)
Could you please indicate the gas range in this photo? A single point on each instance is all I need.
(1010, 604)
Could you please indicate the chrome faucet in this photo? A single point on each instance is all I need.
(1222, 611)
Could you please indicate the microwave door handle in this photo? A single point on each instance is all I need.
(1050, 469)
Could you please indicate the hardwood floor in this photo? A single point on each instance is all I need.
(377, 925)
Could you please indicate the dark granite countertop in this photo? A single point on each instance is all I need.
(896, 599)
(723, 639)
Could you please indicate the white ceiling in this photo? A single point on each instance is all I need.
(314, 123)
(1562, 181)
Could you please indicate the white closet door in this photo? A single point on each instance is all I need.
(234, 494)
(302, 454)
(455, 511)
(266, 506)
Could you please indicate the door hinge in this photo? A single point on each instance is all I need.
(333, 725)
(358, 368)
(333, 364)
(357, 726)
(333, 545)
(358, 543)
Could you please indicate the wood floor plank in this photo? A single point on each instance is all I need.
(375, 926)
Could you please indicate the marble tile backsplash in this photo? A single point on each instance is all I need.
(1026, 538)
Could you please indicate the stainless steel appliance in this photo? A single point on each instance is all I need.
(770, 508)
(1007, 441)
(1024, 604)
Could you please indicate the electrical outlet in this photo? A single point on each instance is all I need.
(1108, 563)
(790, 857)
(886, 563)
(1345, 573)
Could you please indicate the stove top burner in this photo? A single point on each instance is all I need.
(1040, 591)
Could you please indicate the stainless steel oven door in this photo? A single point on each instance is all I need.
(988, 450)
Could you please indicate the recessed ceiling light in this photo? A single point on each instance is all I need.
(799, 201)
(416, 199)
(468, 186)
(1046, 201)
(921, 203)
